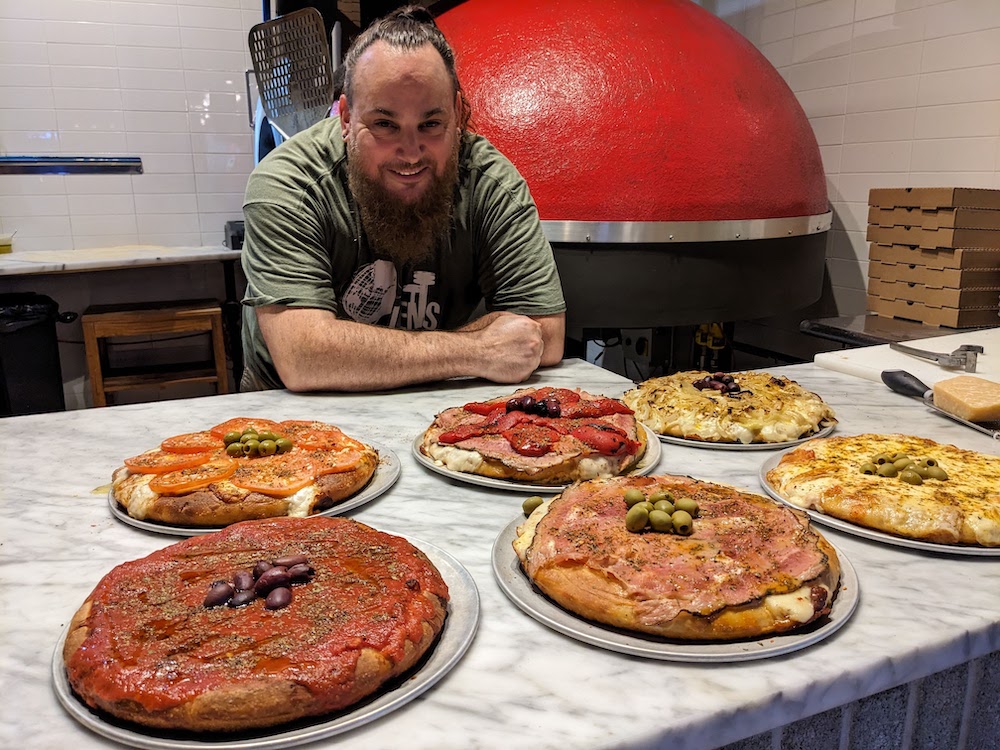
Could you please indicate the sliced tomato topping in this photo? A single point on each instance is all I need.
(185, 480)
(193, 442)
(334, 462)
(530, 439)
(160, 462)
(238, 424)
(313, 436)
(279, 475)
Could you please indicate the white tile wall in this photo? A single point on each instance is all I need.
(899, 93)
(160, 80)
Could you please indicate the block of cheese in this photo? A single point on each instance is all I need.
(969, 397)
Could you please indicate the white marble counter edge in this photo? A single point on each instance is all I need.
(98, 259)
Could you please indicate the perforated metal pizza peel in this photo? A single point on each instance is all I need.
(291, 60)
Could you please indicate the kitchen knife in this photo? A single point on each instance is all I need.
(907, 384)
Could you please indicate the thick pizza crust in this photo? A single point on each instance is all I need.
(558, 468)
(768, 409)
(266, 700)
(824, 475)
(588, 584)
(223, 503)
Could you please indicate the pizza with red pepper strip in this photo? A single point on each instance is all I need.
(210, 479)
(153, 645)
(548, 436)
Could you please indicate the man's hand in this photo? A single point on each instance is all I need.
(512, 346)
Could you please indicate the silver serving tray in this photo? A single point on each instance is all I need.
(645, 466)
(456, 637)
(671, 439)
(386, 474)
(520, 590)
(865, 533)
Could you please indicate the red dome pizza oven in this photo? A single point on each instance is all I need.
(676, 175)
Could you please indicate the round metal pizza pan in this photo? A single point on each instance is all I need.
(645, 466)
(519, 589)
(386, 474)
(456, 637)
(672, 440)
(865, 533)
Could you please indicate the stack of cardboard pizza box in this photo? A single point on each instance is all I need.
(935, 255)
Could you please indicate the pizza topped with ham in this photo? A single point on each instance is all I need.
(744, 566)
(549, 436)
(243, 469)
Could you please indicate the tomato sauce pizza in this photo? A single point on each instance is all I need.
(242, 469)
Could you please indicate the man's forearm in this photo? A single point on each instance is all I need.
(313, 350)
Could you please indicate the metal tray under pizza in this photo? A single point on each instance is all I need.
(645, 466)
(708, 444)
(865, 533)
(386, 474)
(519, 589)
(456, 637)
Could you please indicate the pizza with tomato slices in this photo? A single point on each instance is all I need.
(244, 469)
(549, 436)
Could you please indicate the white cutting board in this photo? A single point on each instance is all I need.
(869, 361)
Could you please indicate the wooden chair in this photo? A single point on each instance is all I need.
(104, 322)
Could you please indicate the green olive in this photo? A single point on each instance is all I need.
(248, 436)
(882, 458)
(531, 503)
(284, 444)
(665, 505)
(936, 472)
(633, 496)
(661, 495)
(922, 470)
(929, 461)
(267, 435)
(898, 456)
(687, 505)
(661, 521)
(869, 468)
(902, 463)
(911, 477)
(647, 505)
(682, 522)
(251, 447)
(231, 437)
(249, 431)
(234, 449)
(267, 448)
(636, 518)
(887, 470)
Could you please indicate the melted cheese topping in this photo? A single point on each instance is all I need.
(300, 504)
(795, 605)
(768, 409)
(455, 459)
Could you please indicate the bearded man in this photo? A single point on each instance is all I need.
(372, 238)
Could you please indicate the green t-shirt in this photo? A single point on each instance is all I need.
(304, 247)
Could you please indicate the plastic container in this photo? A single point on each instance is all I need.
(30, 371)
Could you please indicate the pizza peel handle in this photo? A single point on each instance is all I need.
(905, 383)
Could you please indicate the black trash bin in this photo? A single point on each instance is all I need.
(30, 374)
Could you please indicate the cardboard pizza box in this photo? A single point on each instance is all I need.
(934, 297)
(938, 278)
(947, 237)
(949, 317)
(958, 258)
(934, 197)
(935, 218)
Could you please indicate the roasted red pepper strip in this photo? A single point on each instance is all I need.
(600, 407)
(531, 439)
(605, 439)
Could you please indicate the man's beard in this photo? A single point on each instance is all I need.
(405, 232)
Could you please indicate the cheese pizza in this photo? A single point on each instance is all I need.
(745, 567)
(256, 625)
(745, 407)
(908, 486)
(244, 468)
(547, 436)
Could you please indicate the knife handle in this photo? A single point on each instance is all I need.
(906, 383)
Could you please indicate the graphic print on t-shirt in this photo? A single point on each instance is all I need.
(372, 295)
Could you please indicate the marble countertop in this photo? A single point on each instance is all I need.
(104, 258)
(520, 681)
